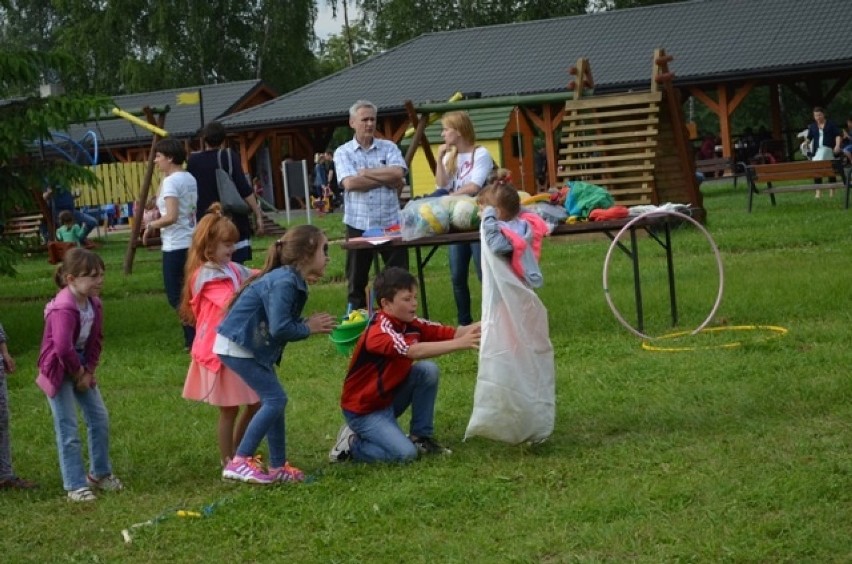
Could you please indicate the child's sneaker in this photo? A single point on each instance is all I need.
(428, 445)
(340, 451)
(82, 494)
(107, 483)
(286, 473)
(246, 470)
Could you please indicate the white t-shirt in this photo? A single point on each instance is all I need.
(180, 185)
(472, 167)
(87, 319)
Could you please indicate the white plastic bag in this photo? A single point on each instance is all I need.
(423, 218)
(515, 396)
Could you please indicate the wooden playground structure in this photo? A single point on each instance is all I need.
(634, 144)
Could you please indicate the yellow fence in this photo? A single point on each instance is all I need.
(118, 183)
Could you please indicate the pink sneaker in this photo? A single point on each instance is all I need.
(246, 470)
(286, 473)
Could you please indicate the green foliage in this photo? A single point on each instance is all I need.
(713, 455)
(396, 21)
(334, 51)
(132, 46)
(25, 121)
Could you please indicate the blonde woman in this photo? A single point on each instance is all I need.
(462, 168)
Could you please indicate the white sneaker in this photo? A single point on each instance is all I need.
(340, 452)
(82, 494)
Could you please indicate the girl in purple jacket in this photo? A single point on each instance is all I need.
(70, 351)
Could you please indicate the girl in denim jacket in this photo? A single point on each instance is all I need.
(265, 315)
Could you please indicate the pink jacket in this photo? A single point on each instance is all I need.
(58, 356)
(519, 244)
(212, 290)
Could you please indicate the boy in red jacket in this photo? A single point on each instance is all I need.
(383, 379)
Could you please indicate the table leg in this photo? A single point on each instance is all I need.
(670, 266)
(637, 285)
(422, 280)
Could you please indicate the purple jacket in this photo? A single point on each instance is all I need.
(58, 356)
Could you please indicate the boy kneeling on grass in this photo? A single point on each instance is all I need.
(383, 380)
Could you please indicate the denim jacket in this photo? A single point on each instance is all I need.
(268, 314)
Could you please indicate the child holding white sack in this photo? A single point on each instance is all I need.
(515, 395)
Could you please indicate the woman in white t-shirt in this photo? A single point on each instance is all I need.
(462, 168)
(176, 202)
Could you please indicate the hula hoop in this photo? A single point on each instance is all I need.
(613, 245)
(778, 332)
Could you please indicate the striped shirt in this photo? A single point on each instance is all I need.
(378, 207)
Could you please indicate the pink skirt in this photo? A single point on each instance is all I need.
(224, 389)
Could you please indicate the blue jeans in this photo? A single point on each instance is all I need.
(89, 223)
(379, 436)
(269, 420)
(173, 263)
(6, 472)
(68, 437)
(460, 257)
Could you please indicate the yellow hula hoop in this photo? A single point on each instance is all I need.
(775, 329)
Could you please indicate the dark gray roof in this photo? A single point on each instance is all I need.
(182, 121)
(710, 40)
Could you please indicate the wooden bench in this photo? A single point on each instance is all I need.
(718, 167)
(807, 171)
(27, 227)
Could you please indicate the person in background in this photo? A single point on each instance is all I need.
(68, 236)
(8, 479)
(68, 231)
(337, 198)
(202, 166)
(372, 173)
(708, 148)
(825, 140)
(68, 359)
(59, 199)
(461, 169)
(847, 142)
(150, 214)
(176, 203)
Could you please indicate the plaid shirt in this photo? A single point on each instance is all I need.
(378, 207)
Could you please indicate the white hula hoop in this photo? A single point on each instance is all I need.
(614, 244)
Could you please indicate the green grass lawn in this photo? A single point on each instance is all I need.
(735, 454)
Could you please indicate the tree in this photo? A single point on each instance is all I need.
(335, 52)
(24, 122)
(604, 5)
(396, 21)
(129, 46)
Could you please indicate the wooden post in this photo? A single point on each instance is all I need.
(419, 137)
(139, 205)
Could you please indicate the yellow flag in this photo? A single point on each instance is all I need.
(189, 98)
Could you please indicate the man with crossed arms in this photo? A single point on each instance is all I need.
(372, 173)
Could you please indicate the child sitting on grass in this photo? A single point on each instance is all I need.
(383, 379)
